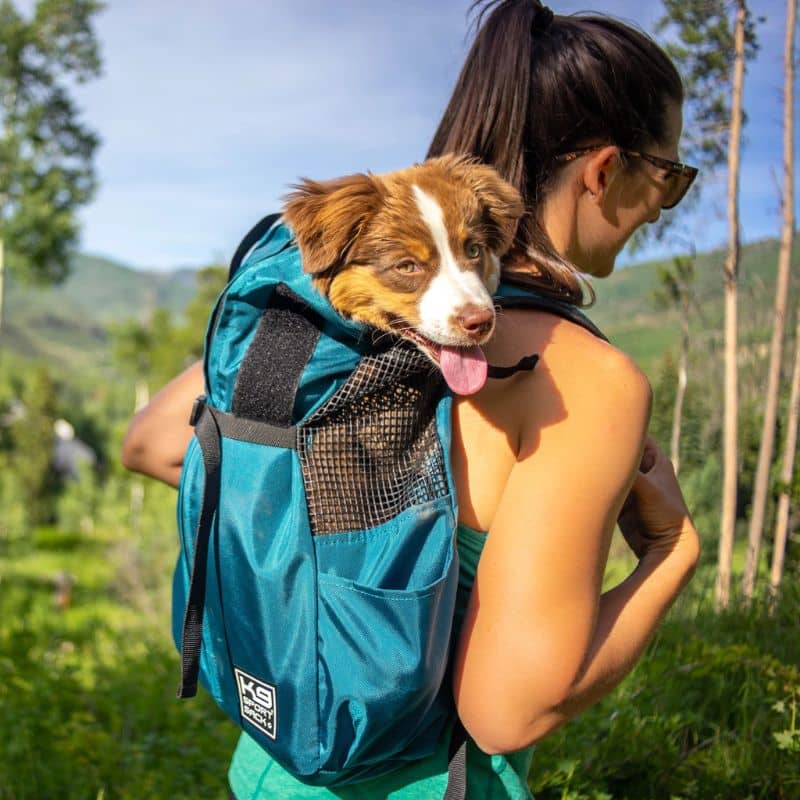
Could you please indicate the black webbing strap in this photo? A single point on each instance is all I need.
(250, 430)
(208, 436)
(551, 306)
(256, 232)
(526, 363)
(457, 764)
(210, 425)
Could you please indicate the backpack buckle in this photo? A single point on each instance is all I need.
(197, 409)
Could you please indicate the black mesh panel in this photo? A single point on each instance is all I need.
(372, 450)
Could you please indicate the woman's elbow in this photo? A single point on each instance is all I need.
(511, 721)
(133, 454)
(508, 736)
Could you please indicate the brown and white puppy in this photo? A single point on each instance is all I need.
(415, 252)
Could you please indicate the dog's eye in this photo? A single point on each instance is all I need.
(408, 267)
(472, 250)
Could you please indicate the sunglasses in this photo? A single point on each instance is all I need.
(678, 176)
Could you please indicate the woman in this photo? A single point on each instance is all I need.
(583, 115)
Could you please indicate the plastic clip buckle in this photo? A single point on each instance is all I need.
(197, 410)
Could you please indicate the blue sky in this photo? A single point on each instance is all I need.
(209, 109)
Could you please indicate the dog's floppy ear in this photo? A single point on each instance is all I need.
(328, 216)
(501, 202)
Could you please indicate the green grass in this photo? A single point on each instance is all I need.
(88, 711)
(706, 714)
(87, 695)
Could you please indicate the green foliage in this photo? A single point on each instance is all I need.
(46, 154)
(708, 714)
(675, 283)
(158, 349)
(698, 35)
(700, 40)
(87, 704)
(86, 693)
(30, 455)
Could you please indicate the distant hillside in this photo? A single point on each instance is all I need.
(626, 311)
(67, 325)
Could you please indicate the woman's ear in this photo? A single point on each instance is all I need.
(327, 217)
(600, 169)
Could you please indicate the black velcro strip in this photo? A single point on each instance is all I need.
(270, 371)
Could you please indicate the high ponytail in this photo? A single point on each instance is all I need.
(536, 84)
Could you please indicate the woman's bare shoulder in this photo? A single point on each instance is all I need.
(578, 379)
(564, 348)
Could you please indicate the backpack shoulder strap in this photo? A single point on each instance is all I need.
(540, 302)
(524, 298)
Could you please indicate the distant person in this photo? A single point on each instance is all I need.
(583, 115)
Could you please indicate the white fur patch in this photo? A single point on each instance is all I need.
(452, 289)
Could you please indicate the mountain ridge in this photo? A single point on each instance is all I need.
(69, 324)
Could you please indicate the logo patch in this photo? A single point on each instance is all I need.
(257, 702)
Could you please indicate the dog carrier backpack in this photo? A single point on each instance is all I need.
(315, 587)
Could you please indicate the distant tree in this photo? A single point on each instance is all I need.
(711, 50)
(761, 485)
(187, 339)
(730, 443)
(675, 290)
(134, 347)
(153, 352)
(46, 170)
(787, 471)
(32, 441)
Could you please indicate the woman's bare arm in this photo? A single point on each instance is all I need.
(157, 437)
(539, 643)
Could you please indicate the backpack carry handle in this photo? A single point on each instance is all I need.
(255, 233)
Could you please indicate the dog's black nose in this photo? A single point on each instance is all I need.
(476, 321)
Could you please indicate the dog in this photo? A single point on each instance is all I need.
(414, 252)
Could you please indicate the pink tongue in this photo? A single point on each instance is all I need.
(464, 368)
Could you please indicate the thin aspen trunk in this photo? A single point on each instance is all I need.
(141, 399)
(787, 234)
(683, 378)
(2, 275)
(787, 470)
(781, 295)
(730, 460)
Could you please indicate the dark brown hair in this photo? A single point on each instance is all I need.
(531, 88)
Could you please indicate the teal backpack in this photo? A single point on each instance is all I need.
(315, 587)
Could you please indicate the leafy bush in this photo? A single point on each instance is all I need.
(709, 713)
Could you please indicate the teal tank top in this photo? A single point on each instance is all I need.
(253, 775)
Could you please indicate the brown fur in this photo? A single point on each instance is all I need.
(354, 231)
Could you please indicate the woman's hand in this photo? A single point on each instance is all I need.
(654, 517)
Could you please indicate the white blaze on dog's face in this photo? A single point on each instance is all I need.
(455, 289)
(416, 252)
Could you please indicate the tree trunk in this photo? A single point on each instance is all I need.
(680, 392)
(142, 398)
(782, 517)
(730, 461)
(781, 294)
(2, 275)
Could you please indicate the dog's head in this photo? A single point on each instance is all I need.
(415, 252)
